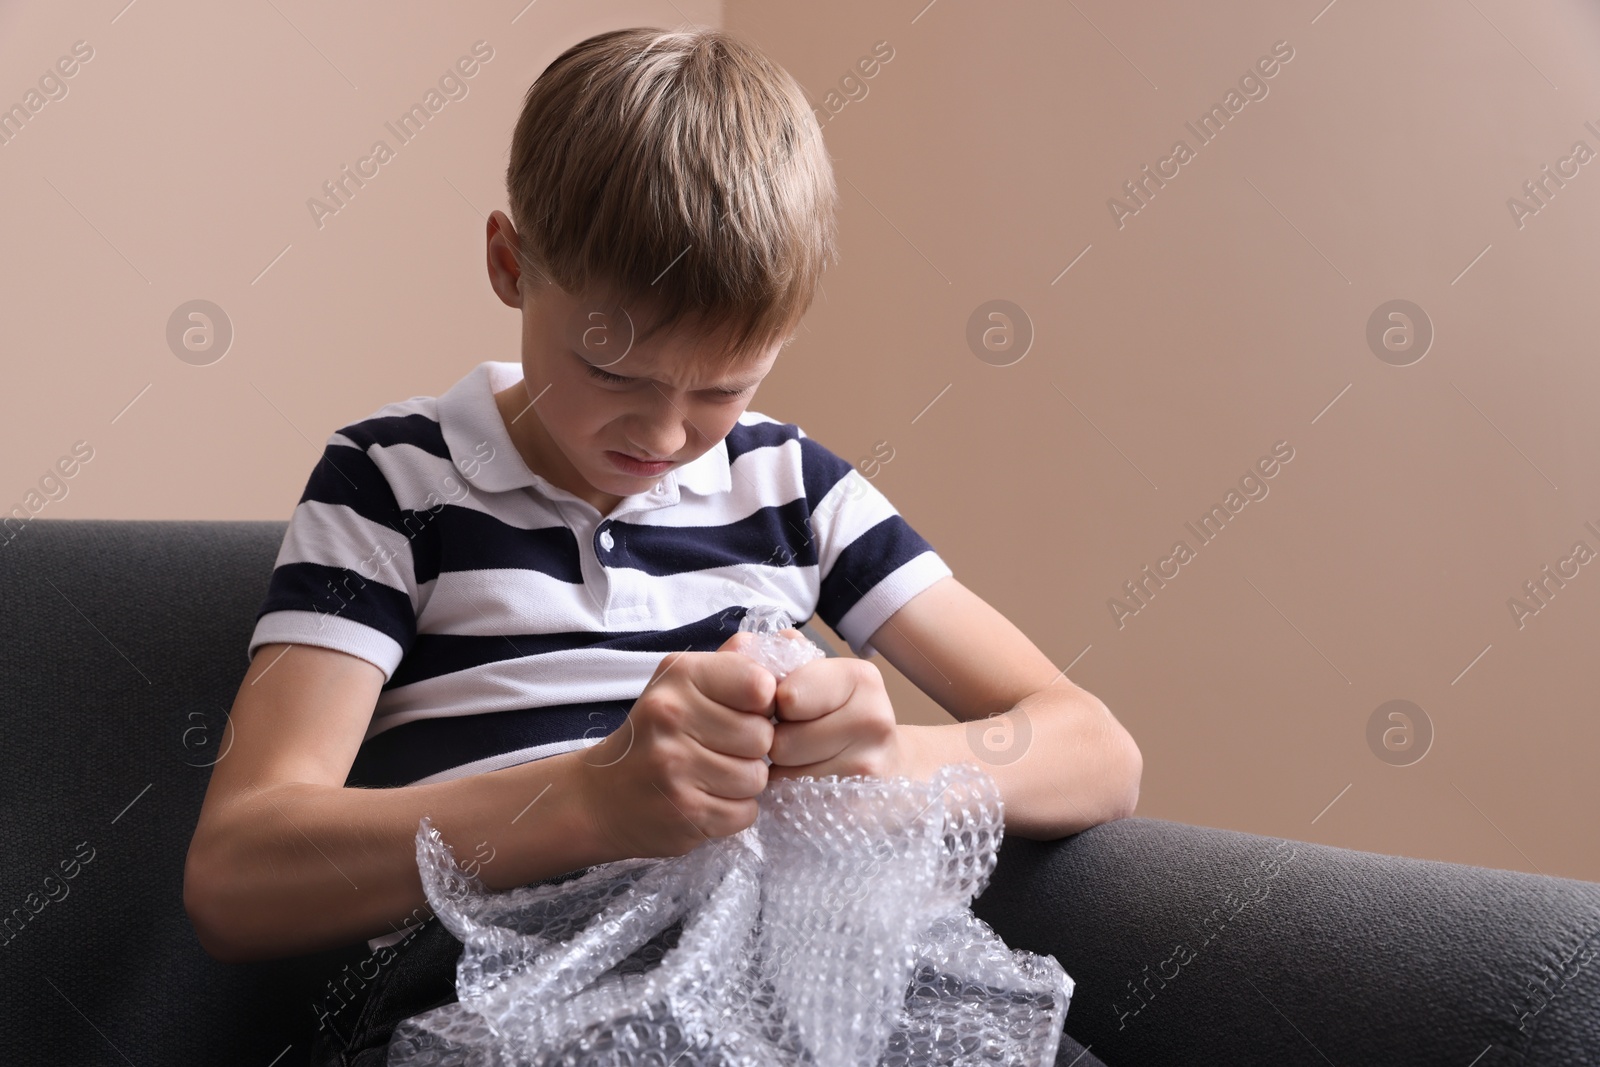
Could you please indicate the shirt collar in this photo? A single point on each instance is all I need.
(469, 419)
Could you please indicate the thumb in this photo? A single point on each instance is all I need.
(738, 642)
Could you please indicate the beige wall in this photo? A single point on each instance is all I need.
(1228, 314)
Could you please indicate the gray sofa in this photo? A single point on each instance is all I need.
(122, 645)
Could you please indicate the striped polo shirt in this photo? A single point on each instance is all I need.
(513, 621)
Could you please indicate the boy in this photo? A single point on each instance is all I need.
(509, 607)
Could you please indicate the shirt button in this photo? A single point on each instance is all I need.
(606, 539)
(661, 487)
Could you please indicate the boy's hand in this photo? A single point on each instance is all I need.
(686, 765)
(836, 718)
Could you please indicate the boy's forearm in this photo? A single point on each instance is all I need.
(1063, 764)
(299, 868)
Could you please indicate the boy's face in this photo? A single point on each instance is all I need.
(591, 397)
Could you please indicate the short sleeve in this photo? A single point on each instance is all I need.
(344, 577)
(870, 559)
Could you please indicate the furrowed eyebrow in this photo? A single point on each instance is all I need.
(726, 387)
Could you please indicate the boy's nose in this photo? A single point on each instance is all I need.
(660, 445)
(645, 455)
(649, 455)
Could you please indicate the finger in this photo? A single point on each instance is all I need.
(717, 728)
(726, 776)
(713, 816)
(737, 641)
(820, 769)
(802, 744)
(814, 689)
(722, 817)
(733, 679)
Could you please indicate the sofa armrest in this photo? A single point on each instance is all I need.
(1191, 945)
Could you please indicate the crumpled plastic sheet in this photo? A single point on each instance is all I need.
(835, 931)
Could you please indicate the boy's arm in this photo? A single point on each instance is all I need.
(1063, 762)
(286, 861)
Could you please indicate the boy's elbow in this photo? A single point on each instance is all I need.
(200, 893)
(1134, 773)
(1131, 764)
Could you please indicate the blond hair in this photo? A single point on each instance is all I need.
(682, 173)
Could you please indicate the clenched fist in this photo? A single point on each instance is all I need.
(686, 766)
(836, 718)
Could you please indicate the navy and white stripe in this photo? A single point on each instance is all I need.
(512, 621)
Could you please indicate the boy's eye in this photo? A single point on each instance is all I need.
(616, 379)
(601, 375)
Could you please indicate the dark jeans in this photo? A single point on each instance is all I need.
(421, 976)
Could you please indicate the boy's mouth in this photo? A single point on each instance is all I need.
(629, 465)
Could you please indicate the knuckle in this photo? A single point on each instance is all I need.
(758, 776)
(719, 825)
(646, 703)
(667, 762)
(760, 685)
(669, 803)
(766, 732)
(866, 673)
(666, 709)
(695, 810)
(730, 817)
(745, 814)
(870, 765)
(666, 666)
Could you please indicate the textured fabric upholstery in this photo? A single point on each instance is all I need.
(122, 644)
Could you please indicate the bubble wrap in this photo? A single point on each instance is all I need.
(835, 931)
